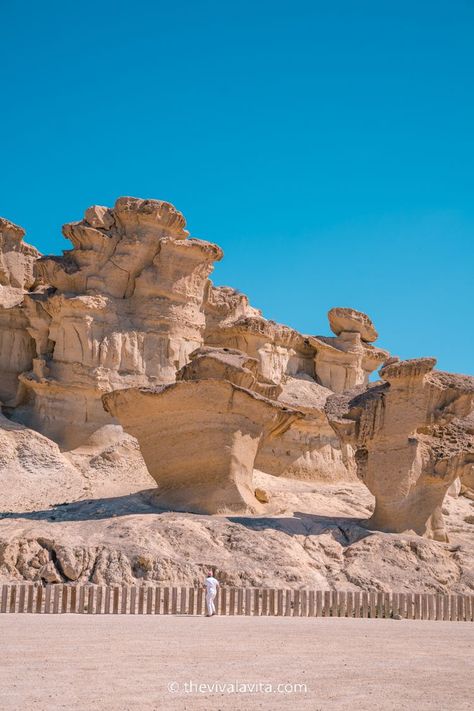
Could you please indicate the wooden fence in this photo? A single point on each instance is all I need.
(147, 600)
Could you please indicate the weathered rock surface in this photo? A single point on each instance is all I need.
(212, 389)
(125, 311)
(17, 261)
(309, 536)
(209, 434)
(411, 442)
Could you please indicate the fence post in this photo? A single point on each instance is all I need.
(98, 604)
(13, 598)
(158, 601)
(280, 602)
(319, 603)
(256, 602)
(133, 599)
(357, 603)
(232, 601)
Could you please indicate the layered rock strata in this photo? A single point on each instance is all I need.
(412, 440)
(199, 437)
(17, 350)
(126, 310)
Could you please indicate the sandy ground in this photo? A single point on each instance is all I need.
(121, 663)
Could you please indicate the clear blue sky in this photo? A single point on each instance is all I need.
(328, 147)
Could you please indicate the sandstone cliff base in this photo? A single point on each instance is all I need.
(310, 535)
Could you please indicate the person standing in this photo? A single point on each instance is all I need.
(211, 591)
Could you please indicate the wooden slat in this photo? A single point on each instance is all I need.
(182, 601)
(327, 603)
(287, 603)
(431, 607)
(350, 604)
(248, 601)
(280, 602)
(232, 601)
(158, 601)
(417, 612)
(5, 590)
(365, 603)
(141, 600)
(357, 610)
(47, 598)
(56, 591)
(223, 601)
(174, 600)
(91, 600)
(256, 602)
(39, 599)
(73, 607)
(199, 599)
(21, 597)
(82, 592)
(133, 599)
(240, 601)
(99, 601)
(304, 603)
(124, 600)
(468, 608)
(65, 599)
(453, 608)
(319, 603)
(424, 606)
(116, 600)
(108, 600)
(379, 609)
(271, 601)
(395, 606)
(29, 602)
(12, 606)
(149, 601)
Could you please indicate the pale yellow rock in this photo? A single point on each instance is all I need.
(412, 441)
(199, 439)
(345, 320)
(126, 311)
(347, 360)
(17, 350)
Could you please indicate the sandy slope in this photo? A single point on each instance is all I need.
(312, 535)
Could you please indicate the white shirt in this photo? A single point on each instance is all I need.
(211, 585)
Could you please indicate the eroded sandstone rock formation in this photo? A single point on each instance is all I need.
(125, 310)
(17, 261)
(199, 436)
(211, 389)
(412, 441)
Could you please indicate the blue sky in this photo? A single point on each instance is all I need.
(328, 147)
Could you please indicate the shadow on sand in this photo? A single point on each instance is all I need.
(345, 529)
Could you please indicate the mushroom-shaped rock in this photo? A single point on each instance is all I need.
(345, 361)
(412, 439)
(199, 440)
(342, 320)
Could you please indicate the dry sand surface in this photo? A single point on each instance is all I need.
(141, 663)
